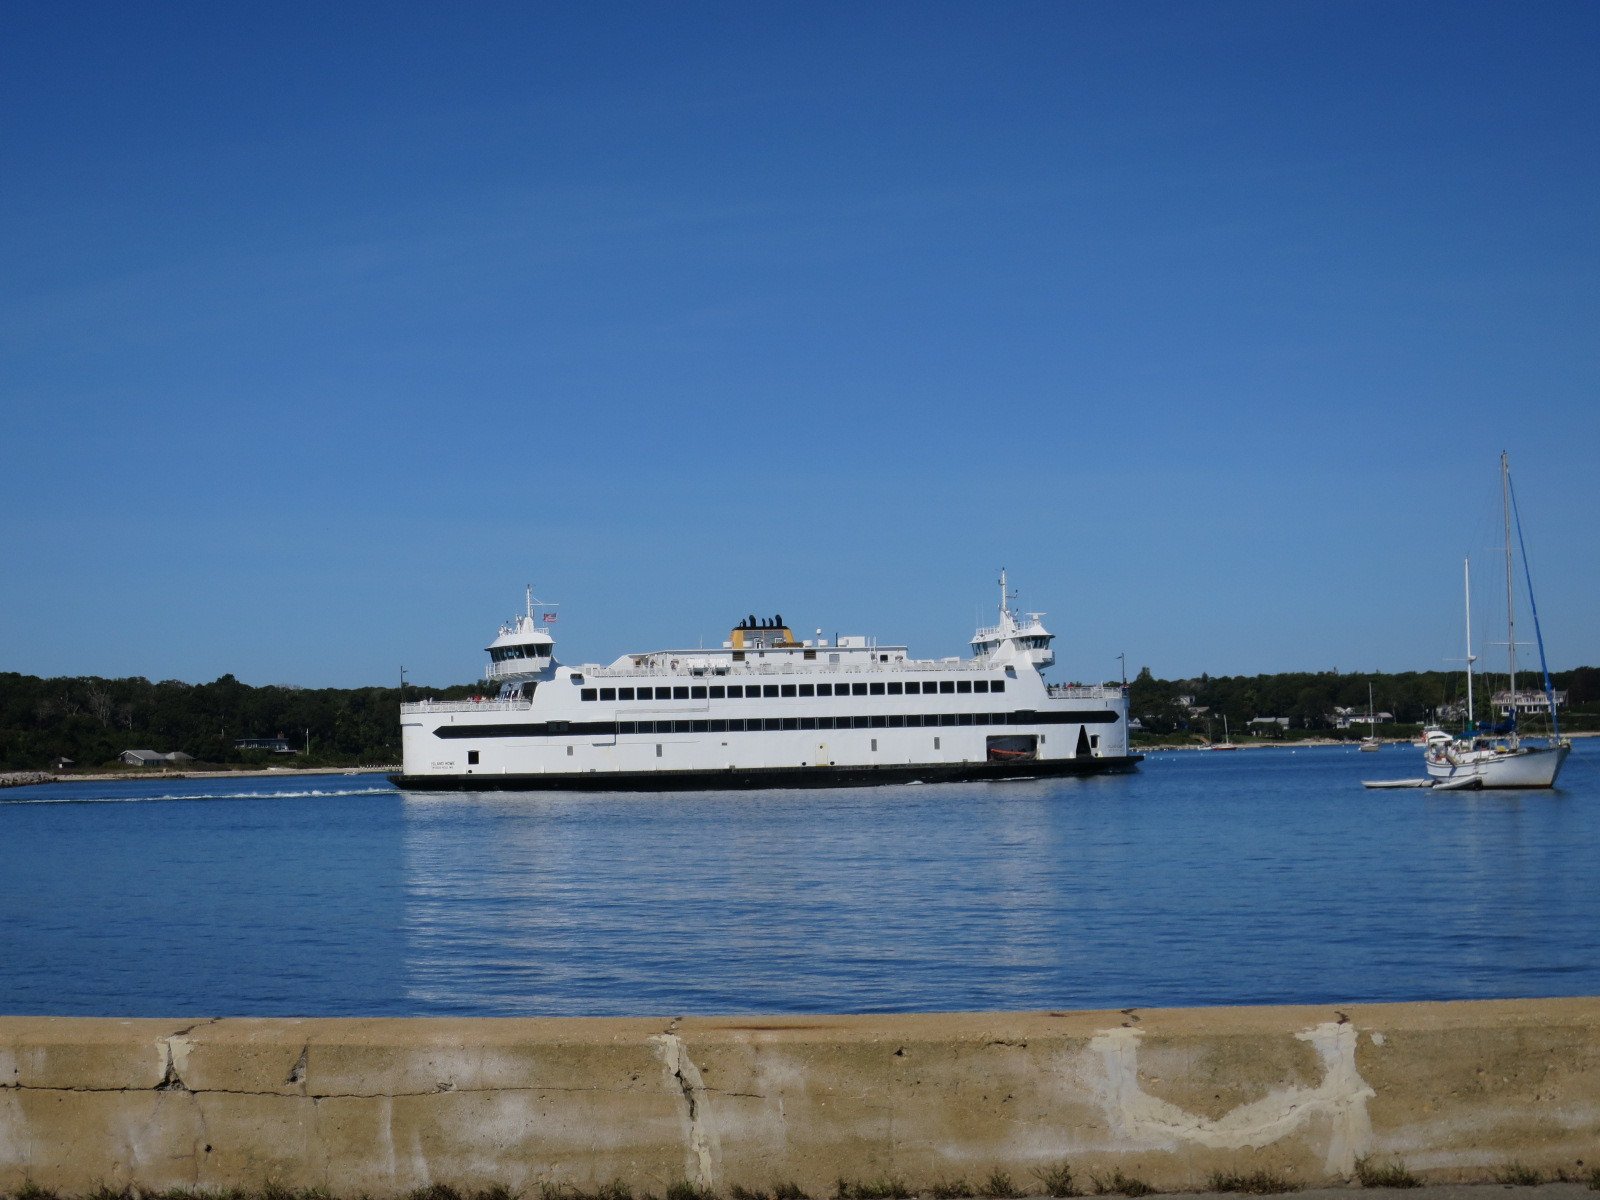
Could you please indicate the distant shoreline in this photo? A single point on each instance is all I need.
(33, 777)
(1303, 742)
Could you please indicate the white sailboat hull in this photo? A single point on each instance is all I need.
(1524, 767)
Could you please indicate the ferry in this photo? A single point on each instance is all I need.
(766, 710)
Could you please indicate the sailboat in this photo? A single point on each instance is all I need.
(1225, 743)
(1371, 742)
(1498, 757)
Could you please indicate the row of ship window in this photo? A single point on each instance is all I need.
(771, 691)
(506, 653)
(768, 724)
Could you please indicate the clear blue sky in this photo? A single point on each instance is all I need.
(324, 328)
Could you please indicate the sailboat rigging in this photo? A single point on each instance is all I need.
(1499, 757)
(1371, 742)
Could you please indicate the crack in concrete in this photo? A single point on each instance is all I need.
(702, 1151)
(176, 1047)
(170, 1080)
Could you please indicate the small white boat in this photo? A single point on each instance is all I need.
(1498, 757)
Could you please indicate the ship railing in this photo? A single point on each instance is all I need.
(995, 633)
(458, 706)
(516, 666)
(1084, 691)
(991, 633)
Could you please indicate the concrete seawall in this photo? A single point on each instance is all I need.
(1454, 1091)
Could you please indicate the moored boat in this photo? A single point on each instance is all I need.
(1227, 742)
(1499, 756)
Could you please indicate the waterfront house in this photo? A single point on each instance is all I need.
(277, 745)
(1268, 724)
(151, 758)
(1529, 703)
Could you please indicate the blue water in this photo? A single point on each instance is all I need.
(1258, 877)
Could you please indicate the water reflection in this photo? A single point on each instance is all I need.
(1267, 877)
(1247, 878)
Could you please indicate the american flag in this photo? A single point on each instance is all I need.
(549, 618)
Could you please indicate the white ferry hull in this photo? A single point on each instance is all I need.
(498, 744)
(756, 778)
(1526, 767)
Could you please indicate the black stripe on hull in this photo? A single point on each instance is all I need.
(612, 728)
(754, 778)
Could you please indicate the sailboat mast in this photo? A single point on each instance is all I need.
(1511, 612)
(1538, 634)
(1466, 575)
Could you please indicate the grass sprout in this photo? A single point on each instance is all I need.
(1057, 1180)
(1518, 1175)
(1251, 1183)
(1118, 1184)
(1385, 1175)
(889, 1188)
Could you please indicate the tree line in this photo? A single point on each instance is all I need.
(1309, 699)
(92, 720)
